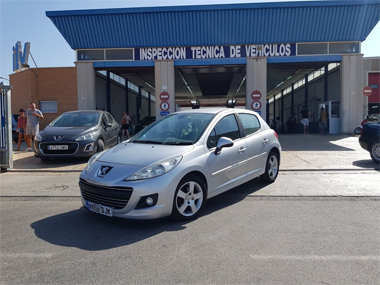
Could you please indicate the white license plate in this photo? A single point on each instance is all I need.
(100, 209)
(58, 147)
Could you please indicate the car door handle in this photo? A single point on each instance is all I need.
(242, 149)
(265, 140)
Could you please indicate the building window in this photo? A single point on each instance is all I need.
(48, 106)
(90, 54)
(119, 54)
(307, 49)
(337, 48)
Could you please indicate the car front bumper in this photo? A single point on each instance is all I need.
(125, 197)
(64, 149)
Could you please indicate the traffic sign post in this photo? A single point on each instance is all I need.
(256, 105)
(164, 96)
(256, 95)
(164, 106)
(367, 91)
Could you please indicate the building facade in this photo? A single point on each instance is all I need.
(268, 57)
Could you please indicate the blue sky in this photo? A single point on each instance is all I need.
(25, 21)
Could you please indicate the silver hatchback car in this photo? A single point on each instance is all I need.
(175, 164)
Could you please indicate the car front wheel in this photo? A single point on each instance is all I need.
(100, 145)
(271, 169)
(375, 151)
(189, 198)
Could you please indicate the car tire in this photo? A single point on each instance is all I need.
(189, 198)
(357, 130)
(100, 145)
(271, 168)
(374, 150)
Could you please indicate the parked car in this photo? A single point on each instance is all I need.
(175, 164)
(370, 139)
(77, 134)
(146, 121)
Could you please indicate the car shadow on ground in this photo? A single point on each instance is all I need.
(30, 163)
(367, 164)
(93, 232)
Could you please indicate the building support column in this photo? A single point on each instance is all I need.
(86, 86)
(307, 91)
(149, 107)
(282, 121)
(351, 104)
(256, 81)
(108, 87)
(164, 81)
(138, 103)
(126, 96)
(326, 84)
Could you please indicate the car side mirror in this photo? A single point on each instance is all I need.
(107, 125)
(223, 142)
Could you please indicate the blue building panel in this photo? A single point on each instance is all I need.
(256, 23)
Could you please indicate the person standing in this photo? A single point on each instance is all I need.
(305, 116)
(33, 117)
(323, 120)
(21, 128)
(125, 121)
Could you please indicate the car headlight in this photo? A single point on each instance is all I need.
(155, 170)
(86, 137)
(39, 136)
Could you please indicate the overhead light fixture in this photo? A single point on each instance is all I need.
(150, 85)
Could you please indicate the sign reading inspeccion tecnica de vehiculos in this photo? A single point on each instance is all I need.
(213, 52)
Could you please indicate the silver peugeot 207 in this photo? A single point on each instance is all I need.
(175, 164)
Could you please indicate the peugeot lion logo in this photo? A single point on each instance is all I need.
(104, 170)
(58, 138)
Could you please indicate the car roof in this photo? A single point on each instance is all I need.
(215, 110)
(86, 111)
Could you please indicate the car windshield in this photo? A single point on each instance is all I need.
(76, 120)
(176, 129)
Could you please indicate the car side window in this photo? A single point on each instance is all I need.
(110, 119)
(250, 123)
(226, 127)
(104, 120)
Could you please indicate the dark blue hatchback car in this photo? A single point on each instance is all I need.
(77, 134)
(370, 139)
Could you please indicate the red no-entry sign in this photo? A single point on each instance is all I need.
(367, 91)
(256, 95)
(164, 96)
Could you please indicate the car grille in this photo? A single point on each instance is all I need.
(115, 197)
(72, 148)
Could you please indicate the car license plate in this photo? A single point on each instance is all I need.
(100, 209)
(58, 147)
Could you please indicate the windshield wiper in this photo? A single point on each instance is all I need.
(146, 141)
(178, 143)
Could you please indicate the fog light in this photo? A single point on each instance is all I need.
(89, 147)
(149, 201)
